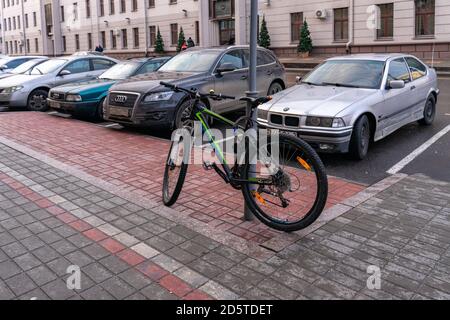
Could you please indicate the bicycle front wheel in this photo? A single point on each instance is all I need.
(291, 185)
(176, 169)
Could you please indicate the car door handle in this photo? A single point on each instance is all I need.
(244, 77)
(269, 73)
(413, 87)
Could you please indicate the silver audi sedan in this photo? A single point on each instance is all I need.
(348, 102)
(31, 89)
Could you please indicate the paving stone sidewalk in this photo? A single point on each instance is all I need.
(51, 219)
(135, 163)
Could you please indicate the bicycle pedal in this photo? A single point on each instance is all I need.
(208, 166)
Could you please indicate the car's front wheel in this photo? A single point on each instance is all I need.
(100, 110)
(429, 112)
(359, 143)
(37, 100)
(274, 88)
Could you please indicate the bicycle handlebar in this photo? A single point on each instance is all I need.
(194, 93)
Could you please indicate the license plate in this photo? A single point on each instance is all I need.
(55, 105)
(121, 112)
(289, 133)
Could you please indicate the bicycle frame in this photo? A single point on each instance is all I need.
(198, 113)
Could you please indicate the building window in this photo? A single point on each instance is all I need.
(152, 33)
(386, 27)
(134, 5)
(123, 6)
(103, 38)
(341, 24)
(296, 24)
(63, 18)
(89, 35)
(221, 9)
(151, 3)
(425, 12)
(88, 8)
(174, 34)
(172, 1)
(197, 33)
(136, 37)
(26, 21)
(113, 40)
(36, 45)
(102, 8)
(28, 46)
(112, 7)
(34, 19)
(124, 39)
(77, 42)
(64, 43)
(75, 11)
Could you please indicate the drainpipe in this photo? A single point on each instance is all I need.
(146, 27)
(349, 44)
(24, 44)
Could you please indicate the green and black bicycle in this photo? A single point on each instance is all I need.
(287, 194)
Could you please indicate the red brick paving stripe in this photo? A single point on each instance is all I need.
(152, 270)
(80, 225)
(95, 235)
(55, 210)
(197, 295)
(175, 285)
(167, 280)
(112, 245)
(67, 217)
(131, 257)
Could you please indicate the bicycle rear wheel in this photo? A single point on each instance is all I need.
(176, 168)
(298, 190)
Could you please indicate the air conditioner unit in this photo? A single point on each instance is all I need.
(321, 14)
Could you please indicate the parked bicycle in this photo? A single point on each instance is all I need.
(287, 195)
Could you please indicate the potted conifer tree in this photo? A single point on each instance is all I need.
(305, 44)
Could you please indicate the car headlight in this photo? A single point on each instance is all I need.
(73, 98)
(325, 122)
(158, 96)
(263, 114)
(12, 89)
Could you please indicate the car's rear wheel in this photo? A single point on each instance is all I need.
(429, 112)
(37, 100)
(274, 88)
(359, 143)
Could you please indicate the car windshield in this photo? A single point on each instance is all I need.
(347, 73)
(47, 66)
(120, 71)
(196, 61)
(25, 66)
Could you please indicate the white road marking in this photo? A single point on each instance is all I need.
(109, 125)
(405, 161)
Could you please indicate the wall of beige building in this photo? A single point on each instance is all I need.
(187, 12)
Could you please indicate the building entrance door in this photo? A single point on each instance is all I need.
(227, 32)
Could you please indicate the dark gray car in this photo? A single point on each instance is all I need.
(142, 101)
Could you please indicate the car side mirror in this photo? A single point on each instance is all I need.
(64, 73)
(225, 67)
(396, 84)
(4, 67)
(298, 79)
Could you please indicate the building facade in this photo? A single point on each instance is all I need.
(129, 27)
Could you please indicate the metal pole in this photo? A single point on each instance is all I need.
(252, 92)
